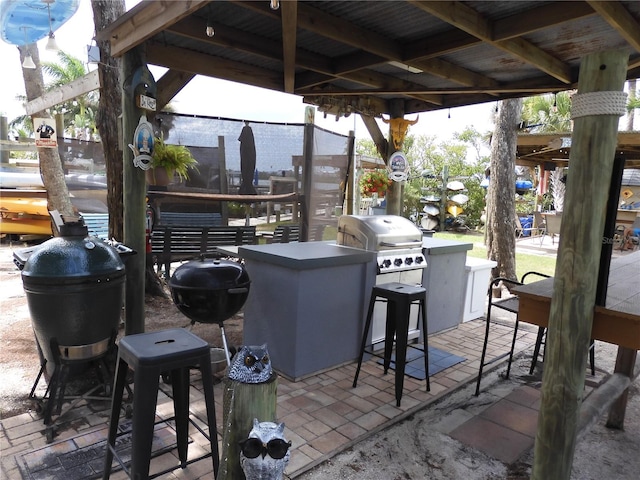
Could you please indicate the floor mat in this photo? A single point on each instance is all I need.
(438, 361)
(82, 457)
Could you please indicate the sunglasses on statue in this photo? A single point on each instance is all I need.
(253, 447)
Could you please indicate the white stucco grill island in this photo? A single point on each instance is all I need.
(445, 280)
(307, 302)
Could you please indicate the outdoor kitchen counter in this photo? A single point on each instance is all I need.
(307, 302)
(445, 279)
(305, 255)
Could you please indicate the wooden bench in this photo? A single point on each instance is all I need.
(97, 224)
(193, 219)
(291, 233)
(178, 243)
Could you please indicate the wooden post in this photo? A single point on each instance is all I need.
(593, 147)
(241, 403)
(134, 203)
(4, 134)
(394, 192)
(224, 184)
(625, 364)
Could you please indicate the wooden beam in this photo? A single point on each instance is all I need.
(467, 19)
(202, 64)
(340, 30)
(321, 68)
(148, 19)
(619, 18)
(169, 85)
(381, 143)
(575, 281)
(289, 29)
(63, 93)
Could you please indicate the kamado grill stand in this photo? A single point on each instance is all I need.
(210, 290)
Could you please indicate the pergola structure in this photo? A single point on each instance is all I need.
(379, 58)
(400, 58)
(542, 148)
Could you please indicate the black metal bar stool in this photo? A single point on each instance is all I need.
(151, 355)
(399, 298)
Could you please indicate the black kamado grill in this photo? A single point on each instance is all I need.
(210, 291)
(74, 285)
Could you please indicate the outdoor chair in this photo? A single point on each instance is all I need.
(542, 340)
(532, 229)
(631, 236)
(510, 304)
(552, 226)
(540, 225)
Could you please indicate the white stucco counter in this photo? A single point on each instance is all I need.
(307, 303)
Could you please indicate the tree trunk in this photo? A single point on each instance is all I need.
(50, 163)
(502, 190)
(631, 113)
(110, 107)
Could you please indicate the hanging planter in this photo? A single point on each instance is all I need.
(167, 161)
(158, 176)
(374, 182)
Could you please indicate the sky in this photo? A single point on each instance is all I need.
(220, 98)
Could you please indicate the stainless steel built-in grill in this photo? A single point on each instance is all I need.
(399, 256)
(397, 241)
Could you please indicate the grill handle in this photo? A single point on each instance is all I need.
(237, 290)
(401, 244)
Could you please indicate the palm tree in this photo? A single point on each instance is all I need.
(548, 113)
(79, 114)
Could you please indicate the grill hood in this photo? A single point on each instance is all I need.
(378, 232)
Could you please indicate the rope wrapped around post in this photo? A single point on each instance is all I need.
(598, 103)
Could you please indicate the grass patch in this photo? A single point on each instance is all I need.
(525, 262)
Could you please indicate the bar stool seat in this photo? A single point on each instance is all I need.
(151, 355)
(399, 298)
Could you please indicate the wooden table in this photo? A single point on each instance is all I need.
(618, 322)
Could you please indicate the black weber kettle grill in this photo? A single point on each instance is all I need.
(210, 290)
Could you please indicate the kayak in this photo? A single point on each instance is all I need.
(429, 223)
(455, 185)
(24, 205)
(460, 199)
(25, 225)
(431, 210)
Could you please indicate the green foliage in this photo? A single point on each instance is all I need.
(79, 113)
(425, 155)
(174, 158)
(550, 113)
(525, 204)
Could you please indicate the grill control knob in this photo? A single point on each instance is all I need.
(408, 260)
(397, 262)
(386, 263)
(419, 260)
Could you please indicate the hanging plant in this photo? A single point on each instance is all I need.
(176, 159)
(374, 181)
